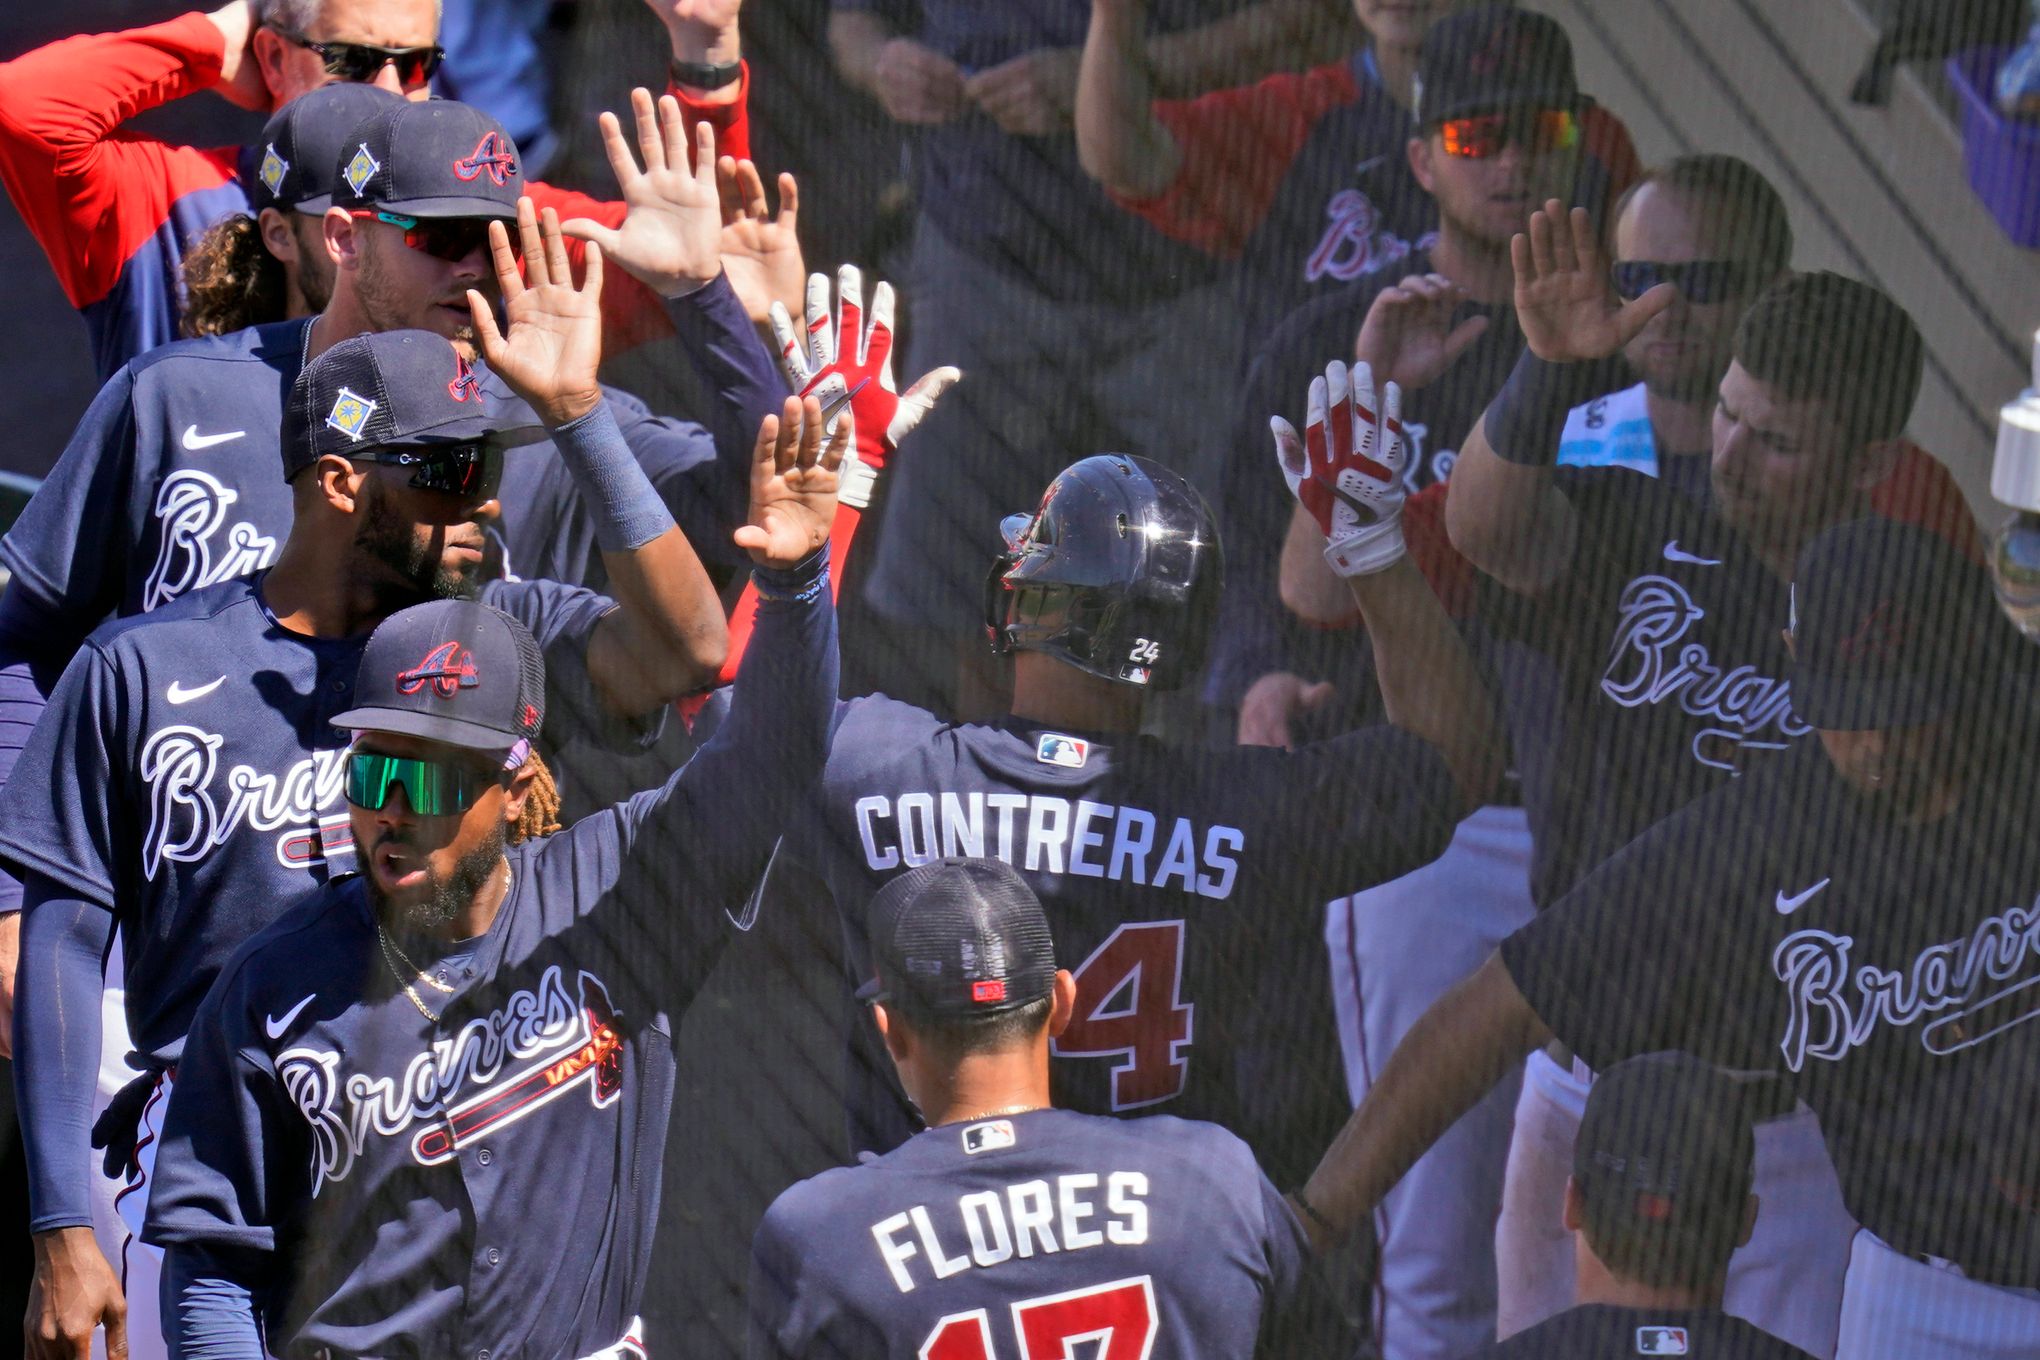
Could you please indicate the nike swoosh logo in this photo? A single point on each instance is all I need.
(1788, 905)
(195, 441)
(1674, 553)
(178, 694)
(276, 1027)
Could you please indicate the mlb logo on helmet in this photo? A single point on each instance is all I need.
(491, 153)
(447, 668)
(1660, 1340)
(350, 413)
(988, 1137)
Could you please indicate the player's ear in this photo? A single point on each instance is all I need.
(339, 483)
(1874, 462)
(277, 237)
(1574, 1218)
(271, 51)
(343, 242)
(519, 790)
(1749, 1221)
(898, 1039)
(1420, 162)
(1064, 1004)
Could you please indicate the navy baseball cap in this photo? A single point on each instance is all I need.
(1490, 58)
(389, 389)
(452, 671)
(1891, 627)
(435, 158)
(301, 144)
(1666, 1139)
(959, 937)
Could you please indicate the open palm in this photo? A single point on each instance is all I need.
(1408, 337)
(760, 251)
(552, 346)
(1565, 300)
(793, 484)
(671, 235)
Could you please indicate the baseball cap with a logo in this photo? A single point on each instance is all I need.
(298, 156)
(390, 389)
(1891, 627)
(1490, 58)
(1666, 1141)
(451, 671)
(957, 938)
(435, 158)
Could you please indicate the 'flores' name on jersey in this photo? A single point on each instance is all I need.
(1074, 1211)
(1042, 833)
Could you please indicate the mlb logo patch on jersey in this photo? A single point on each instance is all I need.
(1053, 748)
(274, 168)
(1660, 1340)
(350, 413)
(361, 169)
(988, 1137)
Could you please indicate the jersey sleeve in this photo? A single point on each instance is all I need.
(563, 619)
(233, 1169)
(67, 820)
(1284, 1246)
(92, 195)
(1364, 808)
(1237, 145)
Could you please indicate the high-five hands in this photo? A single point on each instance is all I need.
(794, 479)
(844, 359)
(671, 237)
(1565, 300)
(760, 250)
(553, 346)
(1347, 469)
(1408, 337)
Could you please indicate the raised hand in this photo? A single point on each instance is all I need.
(1565, 300)
(1346, 470)
(793, 484)
(844, 358)
(671, 237)
(1273, 706)
(1408, 337)
(760, 252)
(553, 345)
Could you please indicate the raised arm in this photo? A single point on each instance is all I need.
(1120, 142)
(667, 637)
(1347, 473)
(1502, 509)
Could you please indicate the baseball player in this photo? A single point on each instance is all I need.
(117, 210)
(1857, 915)
(1009, 1226)
(1659, 1199)
(467, 1048)
(186, 779)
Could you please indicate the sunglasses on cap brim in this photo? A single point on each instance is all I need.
(452, 239)
(1696, 280)
(470, 468)
(432, 788)
(363, 62)
(1483, 136)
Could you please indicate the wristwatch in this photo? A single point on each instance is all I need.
(703, 75)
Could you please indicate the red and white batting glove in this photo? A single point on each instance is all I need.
(843, 360)
(1347, 469)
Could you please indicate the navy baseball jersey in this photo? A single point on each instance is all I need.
(486, 1183)
(185, 776)
(1028, 1235)
(1602, 1331)
(1655, 670)
(1176, 882)
(1785, 923)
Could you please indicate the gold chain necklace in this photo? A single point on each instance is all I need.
(392, 953)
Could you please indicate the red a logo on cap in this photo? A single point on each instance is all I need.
(987, 992)
(492, 154)
(465, 384)
(1880, 637)
(447, 668)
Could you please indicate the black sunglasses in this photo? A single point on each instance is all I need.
(1698, 280)
(471, 469)
(362, 62)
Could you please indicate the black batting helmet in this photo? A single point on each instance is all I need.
(1118, 573)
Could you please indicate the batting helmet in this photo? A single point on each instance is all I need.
(1118, 573)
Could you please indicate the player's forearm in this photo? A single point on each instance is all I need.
(1450, 1058)
(1429, 684)
(1275, 35)
(854, 41)
(705, 44)
(716, 332)
(75, 92)
(667, 636)
(212, 1305)
(1509, 518)
(1120, 142)
(56, 1046)
(1311, 590)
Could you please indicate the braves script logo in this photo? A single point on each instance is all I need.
(187, 821)
(492, 154)
(190, 508)
(1353, 244)
(1650, 662)
(564, 1042)
(1979, 987)
(447, 668)
(465, 383)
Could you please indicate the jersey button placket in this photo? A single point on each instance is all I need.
(483, 1157)
(493, 1257)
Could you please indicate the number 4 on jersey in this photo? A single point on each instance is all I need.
(1120, 1316)
(1129, 1005)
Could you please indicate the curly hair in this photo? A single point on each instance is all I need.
(541, 815)
(231, 281)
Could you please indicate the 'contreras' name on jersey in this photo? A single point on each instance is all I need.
(1039, 833)
(1023, 1220)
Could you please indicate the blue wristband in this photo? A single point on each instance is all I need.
(627, 510)
(1526, 420)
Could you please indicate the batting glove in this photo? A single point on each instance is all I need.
(846, 361)
(1347, 469)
